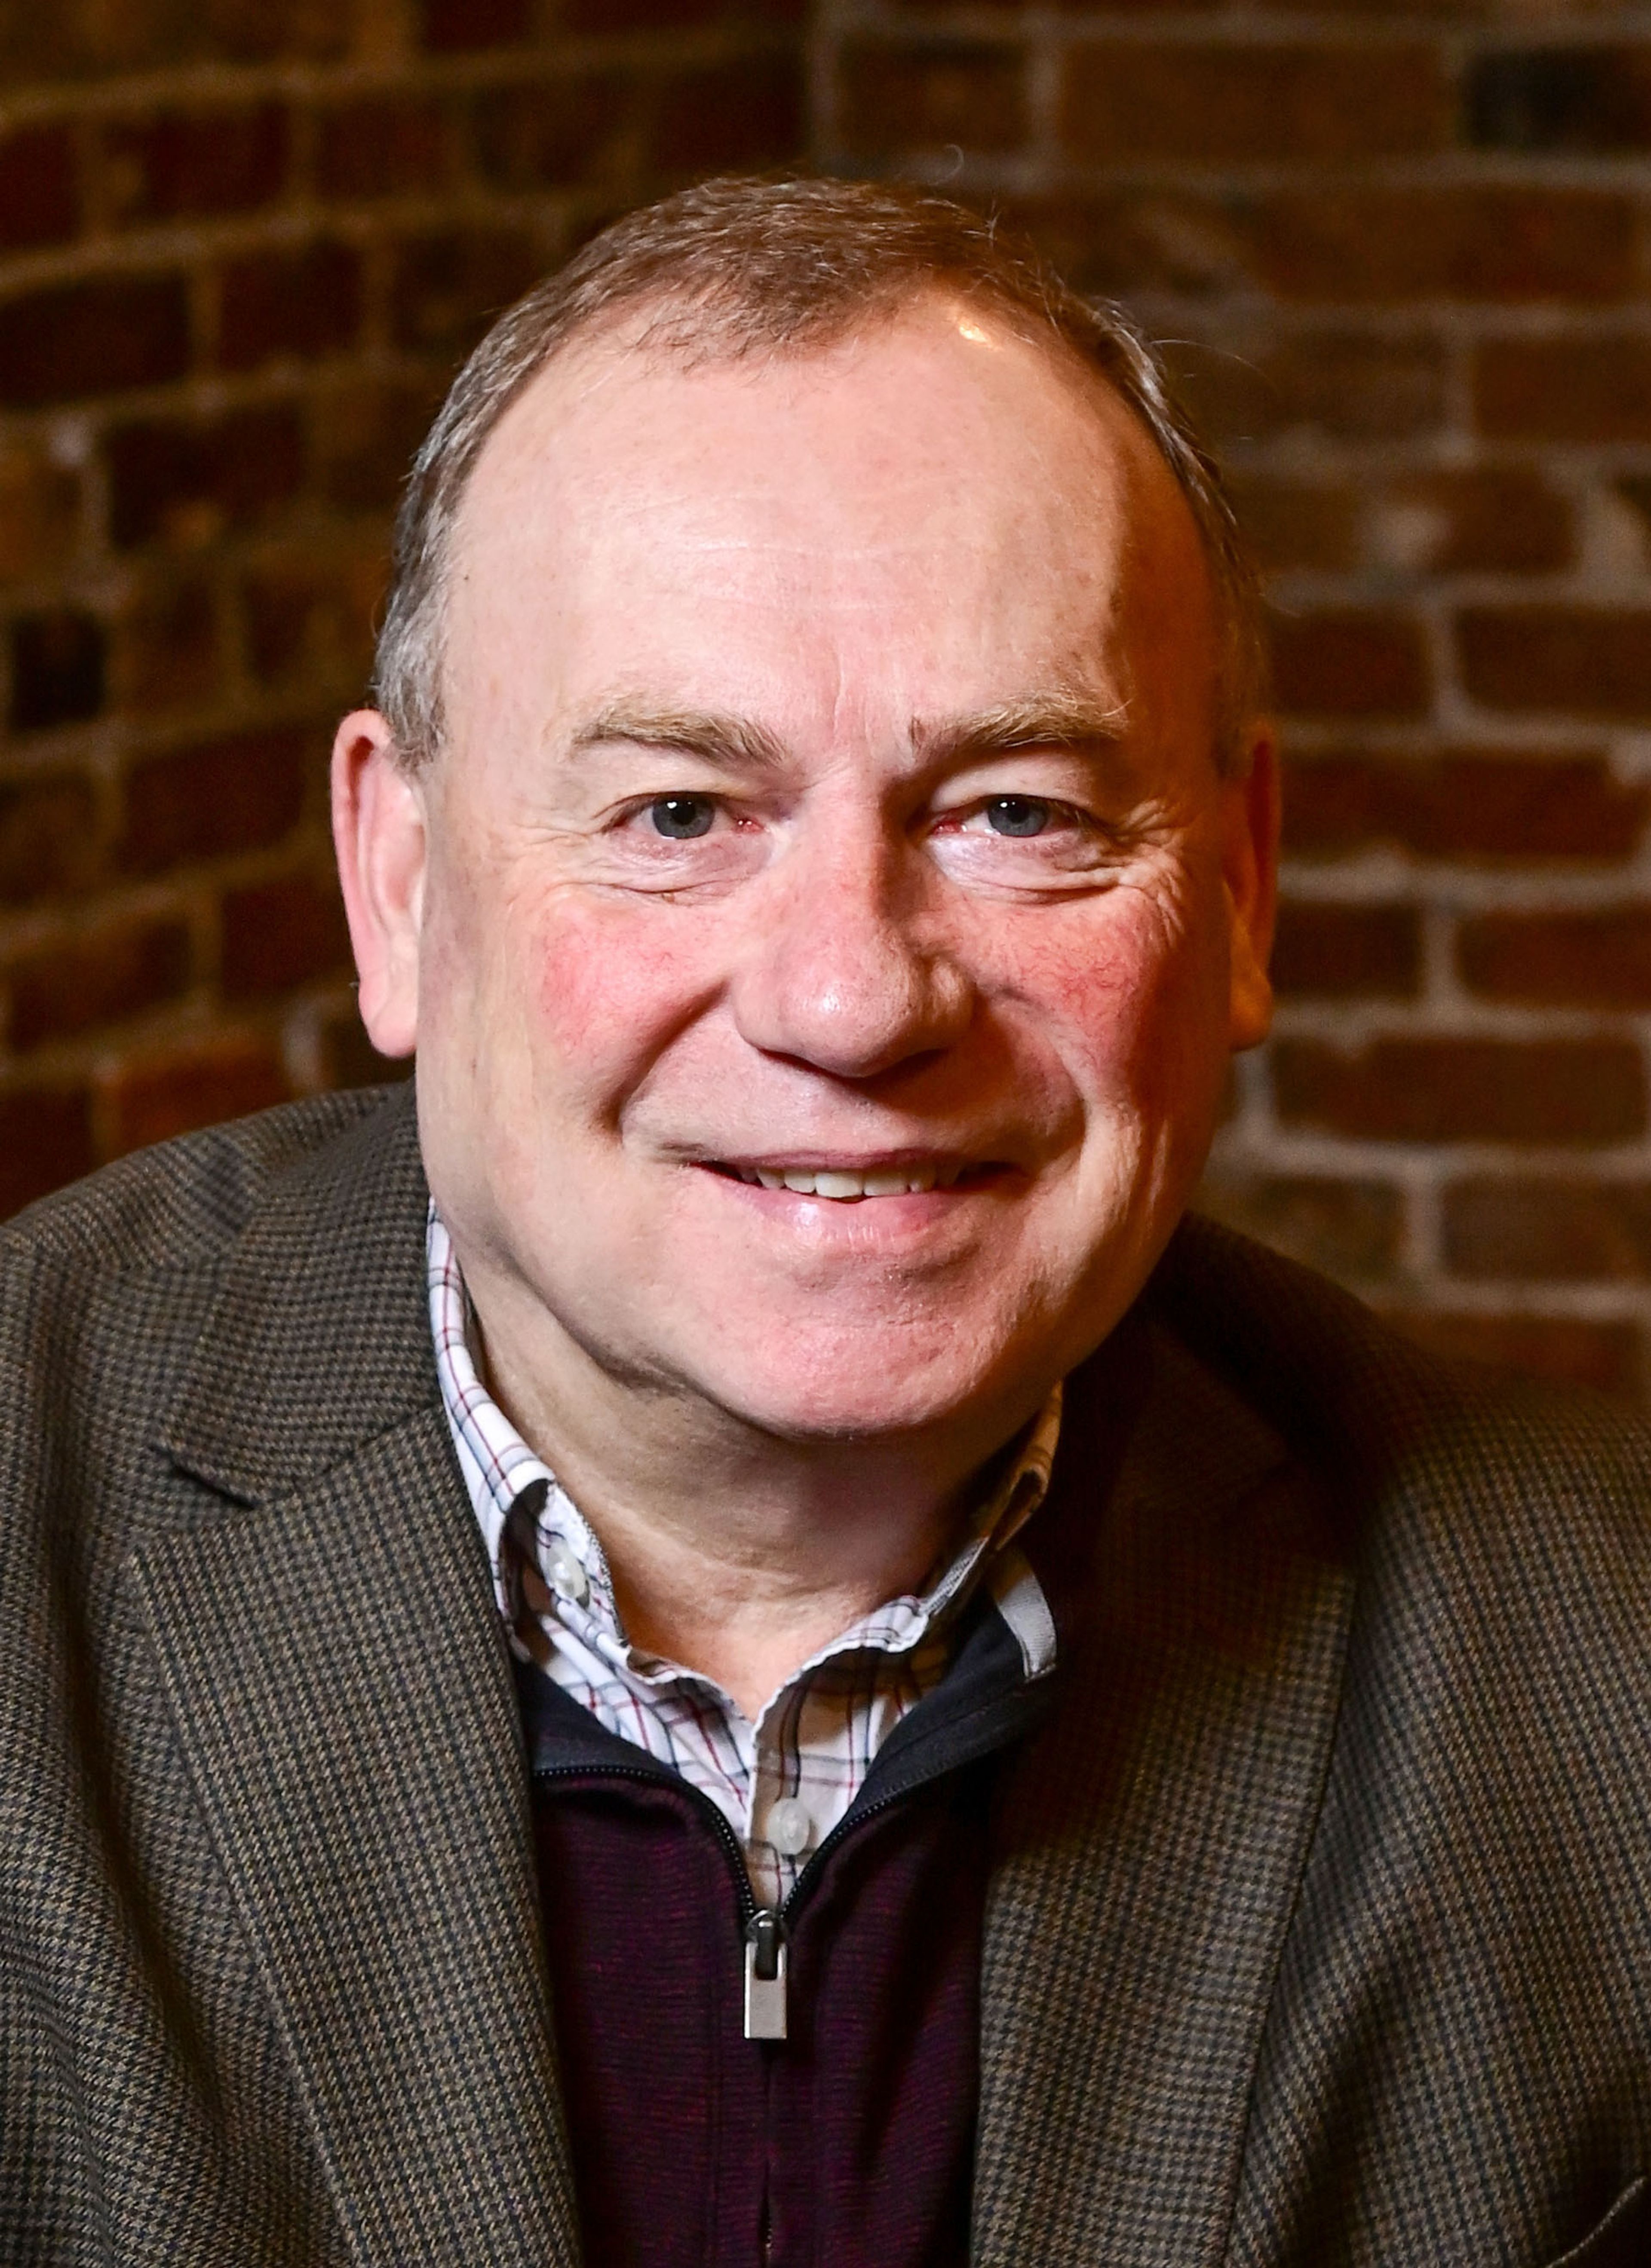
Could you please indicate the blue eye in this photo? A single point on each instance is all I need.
(1017, 814)
(680, 818)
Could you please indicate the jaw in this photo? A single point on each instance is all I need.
(808, 1318)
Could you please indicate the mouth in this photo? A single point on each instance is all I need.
(850, 1185)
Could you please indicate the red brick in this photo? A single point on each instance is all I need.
(300, 305)
(170, 653)
(1560, 1349)
(45, 1142)
(651, 15)
(1354, 386)
(1345, 1227)
(153, 1098)
(313, 618)
(1466, 807)
(39, 44)
(1586, 388)
(1589, 98)
(382, 145)
(1510, 243)
(1124, 101)
(900, 96)
(243, 792)
(1348, 952)
(365, 438)
(101, 978)
(1348, 664)
(280, 934)
(555, 132)
(184, 164)
(48, 844)
(97, 337)
(1634, 489)
(1549, 1231)
(1593, 661)
(58, 669)
(1114, 242)
(1347, 386)
(1492, 520)
(40, 511)
(748, 112)
(40, 188)
(1463, 1090)
(188, 480)
(349, 1058)
(460, 27)
(1298, 523)
(448, 286)
(1600, 959)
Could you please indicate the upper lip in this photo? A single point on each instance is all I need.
(842, 1161)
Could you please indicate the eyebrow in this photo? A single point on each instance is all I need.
(1054, 719)
(733, 743)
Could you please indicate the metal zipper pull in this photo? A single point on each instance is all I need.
(764, 1975)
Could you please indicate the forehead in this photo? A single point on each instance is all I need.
(905, 515)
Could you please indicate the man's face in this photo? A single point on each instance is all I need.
(832, 929)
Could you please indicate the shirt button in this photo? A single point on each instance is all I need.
(790, 1828)
(563, 1573)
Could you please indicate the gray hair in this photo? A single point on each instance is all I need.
(736, 267)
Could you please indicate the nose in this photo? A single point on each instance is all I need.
(844, 971)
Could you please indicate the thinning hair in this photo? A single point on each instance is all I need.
(737, 268)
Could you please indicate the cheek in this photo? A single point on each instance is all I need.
(1141, 995)
(605, 992)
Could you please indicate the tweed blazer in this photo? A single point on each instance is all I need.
(1319, 1921)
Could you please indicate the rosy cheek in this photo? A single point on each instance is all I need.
(1129, 998)
(611, 990)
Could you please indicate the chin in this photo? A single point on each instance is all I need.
(877, 1386)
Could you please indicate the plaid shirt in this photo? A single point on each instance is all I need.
(783, 1782)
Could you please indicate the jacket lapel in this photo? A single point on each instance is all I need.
(1151, 1841)
(340, 1692)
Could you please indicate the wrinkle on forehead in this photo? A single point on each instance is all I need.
(1010, 493)
(625, 421)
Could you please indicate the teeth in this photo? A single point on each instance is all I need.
(896, 1181)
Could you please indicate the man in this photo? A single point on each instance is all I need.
(730, 1646)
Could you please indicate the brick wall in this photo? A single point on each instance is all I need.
(243, 244)
(1407, 249)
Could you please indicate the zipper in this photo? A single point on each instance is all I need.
(764, 1929)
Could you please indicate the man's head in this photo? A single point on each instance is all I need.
(829, 871)
(735, 270)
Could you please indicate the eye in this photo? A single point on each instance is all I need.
(1017, 814)
(680, 818)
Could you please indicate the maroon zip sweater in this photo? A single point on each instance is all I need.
(849, 2143)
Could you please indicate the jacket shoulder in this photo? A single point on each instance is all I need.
(1394, 1429)
(181, 1202)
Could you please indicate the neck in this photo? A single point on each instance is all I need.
(732, 1552)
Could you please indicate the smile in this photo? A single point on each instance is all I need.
(845, 1185)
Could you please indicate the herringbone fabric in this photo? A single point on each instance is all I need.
(1319, 1921)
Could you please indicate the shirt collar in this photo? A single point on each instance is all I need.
(499, 1469)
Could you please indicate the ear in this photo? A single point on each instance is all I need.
(379, 833)
(1249, 870)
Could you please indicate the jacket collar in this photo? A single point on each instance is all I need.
(1152, 1836)
(320, 1337)
(331, 1659)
